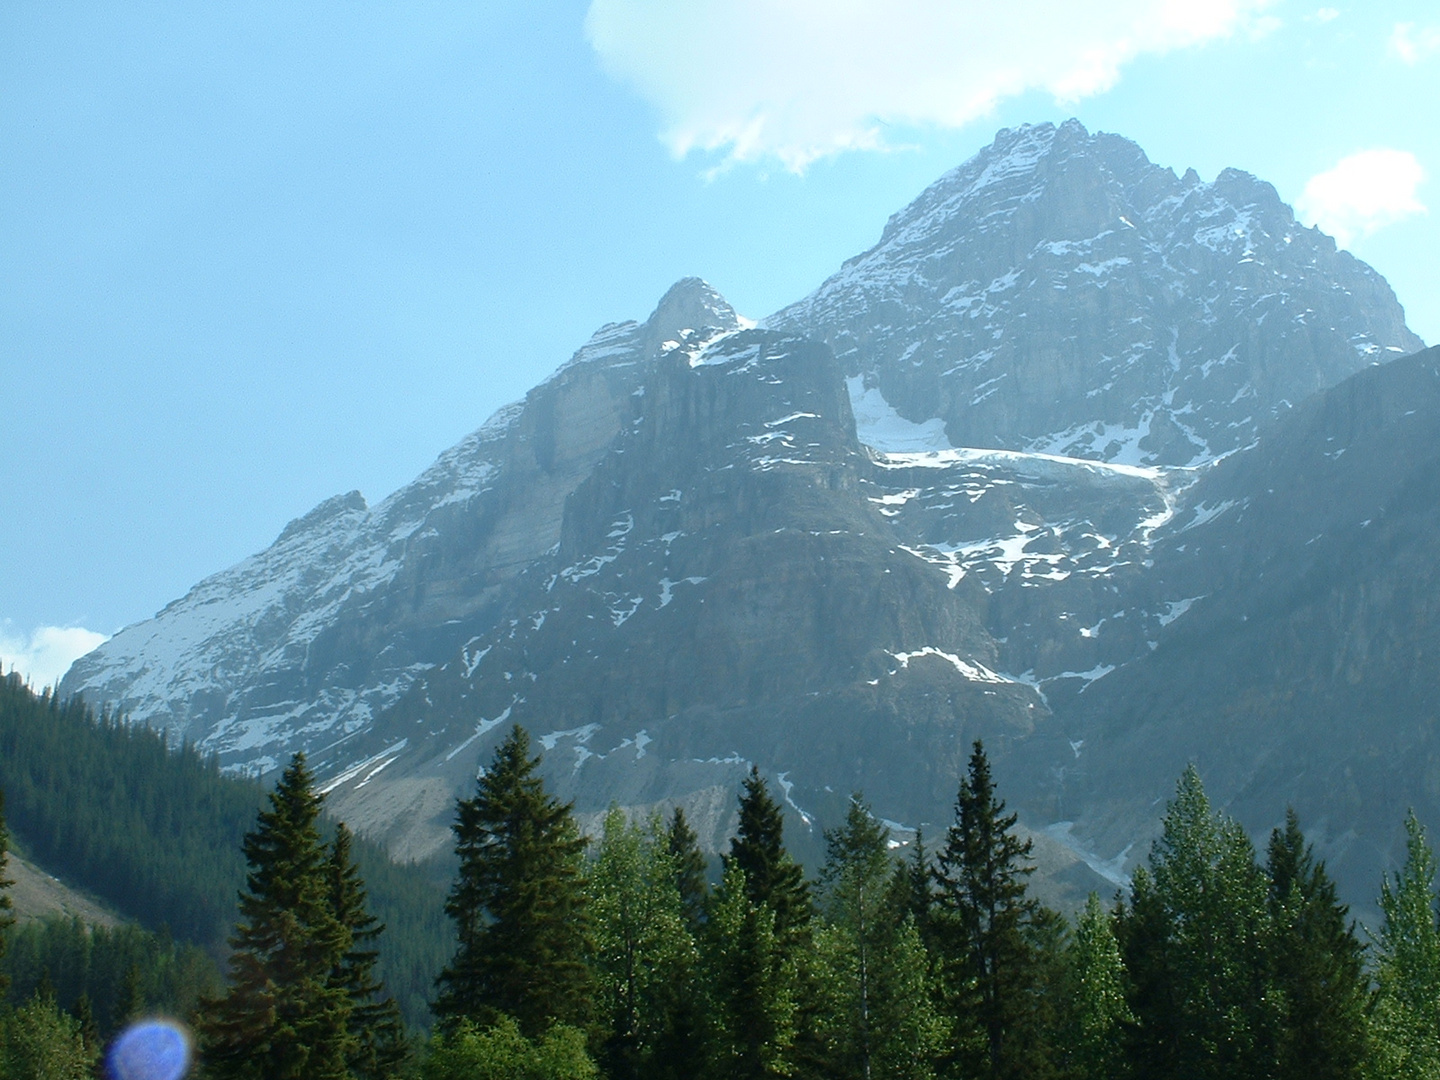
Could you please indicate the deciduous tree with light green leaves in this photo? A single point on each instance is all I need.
(1095, 1009)
(644, 955)
(40, 1042)
(1406, 1020)
(1193, 939)
(868, 970)
(501, 1052)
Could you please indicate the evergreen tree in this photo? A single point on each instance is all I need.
(873, 1011)
(377, 1034)
(1406, 1019)
(752, 979)
(1096, 1012)
(284, 1016)
(1193, 941)
(771, 876)
(6, 919)
(645, 956)
(518, 903)
(988, 932)
(689, 866)
(1317, 966)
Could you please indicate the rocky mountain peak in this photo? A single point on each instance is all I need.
(690, 304)
(1060, 293)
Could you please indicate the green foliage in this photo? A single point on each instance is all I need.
(120, 971)
(871, 1009)
(1406, 1024)
(989, 932)
(502, 1052)
(644, 954)
(39, 1042)
(157, 832)
(752, 977)
(1317, 967)
(286, 1014)
(772, 878)
(1195, 942)
(377, 1045)
(518, 903)
(1095, 1008)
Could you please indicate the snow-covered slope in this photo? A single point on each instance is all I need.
(1060, 293)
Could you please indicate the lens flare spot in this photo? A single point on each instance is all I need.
(150, 1050)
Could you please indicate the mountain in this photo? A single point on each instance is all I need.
(1059, 293)
(955, 493)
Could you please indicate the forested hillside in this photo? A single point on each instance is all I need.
(156, 831)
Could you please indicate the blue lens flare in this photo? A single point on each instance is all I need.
(149, 1050)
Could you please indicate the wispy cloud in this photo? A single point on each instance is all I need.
(1412, 43)
(797, 80)
(45, 654)
(1363, 193)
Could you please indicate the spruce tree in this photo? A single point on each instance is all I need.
(1406, 1019)
(772, 878)
(284, 1016)
(752, 980)
(6, 919)
(986, 933)
(689, 866)
(1193, 939)
(518, 902)
(1316, 968)
(377, 1034)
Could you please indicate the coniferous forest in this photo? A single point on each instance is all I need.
(617, 957)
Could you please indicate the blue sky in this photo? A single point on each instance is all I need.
(255, 254)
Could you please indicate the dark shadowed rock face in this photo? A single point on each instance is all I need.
(1060, 293)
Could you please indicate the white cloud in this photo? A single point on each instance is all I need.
(43, 656)
(1413, 45)
(1363, 193)
(1325, 15)
(797, 80)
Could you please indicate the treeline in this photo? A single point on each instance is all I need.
(156, 831)
(617, 958)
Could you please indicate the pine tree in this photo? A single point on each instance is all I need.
(772, 878)
(689, 864)
(1193, 940)
(645, 956)
(284, 1016)
(1316, 966)
(986, 932)
(1406, 1022)
(6, 919)
(518, 903)
(869, 969)
(377, 1034)
(1096, 1011)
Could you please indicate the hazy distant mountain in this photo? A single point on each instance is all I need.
(701, 544)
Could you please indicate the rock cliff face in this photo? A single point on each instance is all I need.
(1060, 293)
(973, 487)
